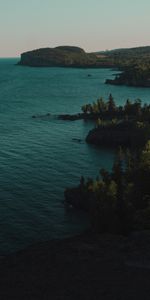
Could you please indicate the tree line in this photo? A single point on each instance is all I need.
(117, 201)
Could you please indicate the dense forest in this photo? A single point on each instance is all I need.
(127, 125)
(129, 56)
(108, 109)
(118, 201)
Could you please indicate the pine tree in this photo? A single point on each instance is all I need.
(111, 104)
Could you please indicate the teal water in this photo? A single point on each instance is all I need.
(38, 157)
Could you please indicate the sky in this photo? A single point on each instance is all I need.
(90, 24)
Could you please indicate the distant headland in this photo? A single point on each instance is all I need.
(133, 62)
(63, 56)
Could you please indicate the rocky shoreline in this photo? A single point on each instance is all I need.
(132, 76)
(66, 117)
(78, 116)
(127, 82)
(123, 134)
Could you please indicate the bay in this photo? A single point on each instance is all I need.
(40, 157)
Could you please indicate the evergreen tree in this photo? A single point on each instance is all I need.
(111, 104)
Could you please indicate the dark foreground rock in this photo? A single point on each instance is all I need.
(85, 267)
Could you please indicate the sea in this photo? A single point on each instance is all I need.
(40, 157)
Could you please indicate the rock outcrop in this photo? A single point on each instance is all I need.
(123, 134)
(132, 77)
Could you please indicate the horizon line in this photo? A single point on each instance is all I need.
(95, 51)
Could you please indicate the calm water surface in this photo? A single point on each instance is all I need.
(39, 158)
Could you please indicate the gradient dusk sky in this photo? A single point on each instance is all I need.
(91, 24)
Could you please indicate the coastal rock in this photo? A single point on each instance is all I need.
(79, 116)
(122, 135)
(68, 117)
(48, 115)
(132, 77)
(119, 81)
(77, 140)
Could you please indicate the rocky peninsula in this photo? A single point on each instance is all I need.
(63, 56)
(135, 76)
(126, 125)
(114, 125)
(124, 133)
